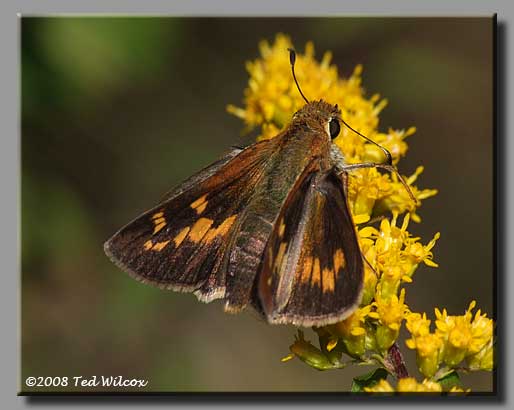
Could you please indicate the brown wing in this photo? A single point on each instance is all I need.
(312, 271)
(181, 243)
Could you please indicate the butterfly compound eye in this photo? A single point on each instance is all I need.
(334, 128)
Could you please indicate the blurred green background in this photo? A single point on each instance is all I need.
(115, 111)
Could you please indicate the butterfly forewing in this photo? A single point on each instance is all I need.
(180, 244)
(312, 270)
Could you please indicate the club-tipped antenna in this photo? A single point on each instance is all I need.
(292, 60)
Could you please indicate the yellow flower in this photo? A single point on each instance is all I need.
(417, 324)
(481, 331)
(465, 337)
(399, 199)
(390, 313)
(406, 385)
(409, 384)
(427, 345)
(382, 386)
(456, 338)
(428, 351)
(419, 253)
(456, 389)
(483, 360)
(396, 253)
(366, 187)
(352, 331)
(352, 325)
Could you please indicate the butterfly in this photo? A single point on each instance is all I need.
(266, 226)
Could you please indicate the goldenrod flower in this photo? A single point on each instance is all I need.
(419, 253)
(427, 345)
(390, 313)
(406, 385)
(382, 386)
(428, 350)
(456, 389)
(352, 331)
(456, 338)
(481, 331)
(483, 360)
(396, 254)
(463, 335)
(409, 384)
(417, 324)
(398, 198)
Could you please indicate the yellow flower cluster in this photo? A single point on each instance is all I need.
(410, 385)
(456, 339)
(392, 254)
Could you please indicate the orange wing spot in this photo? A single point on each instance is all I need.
(147, 245)
(281, 228)
(210, 235)
(159, 246)
(159, 227)
(316, 273)
(328, 280)
(199, 229)
(306, 271)
(339, 260)
(158, 215)
(220, 230)
(200, 204)
(181, 236)
(280, 256)
(201, 208)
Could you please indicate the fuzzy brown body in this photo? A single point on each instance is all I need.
(267, 225)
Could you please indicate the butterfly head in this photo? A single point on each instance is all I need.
(320, 114)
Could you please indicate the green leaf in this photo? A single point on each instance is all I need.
(450, 380)
(368, 379)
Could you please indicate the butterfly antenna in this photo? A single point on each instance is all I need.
(384, 150)
(292, 60)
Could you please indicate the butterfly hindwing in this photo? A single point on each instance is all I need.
(312, 270)
(181, 243)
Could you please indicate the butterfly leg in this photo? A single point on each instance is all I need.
(343, 175)
(351, 167)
